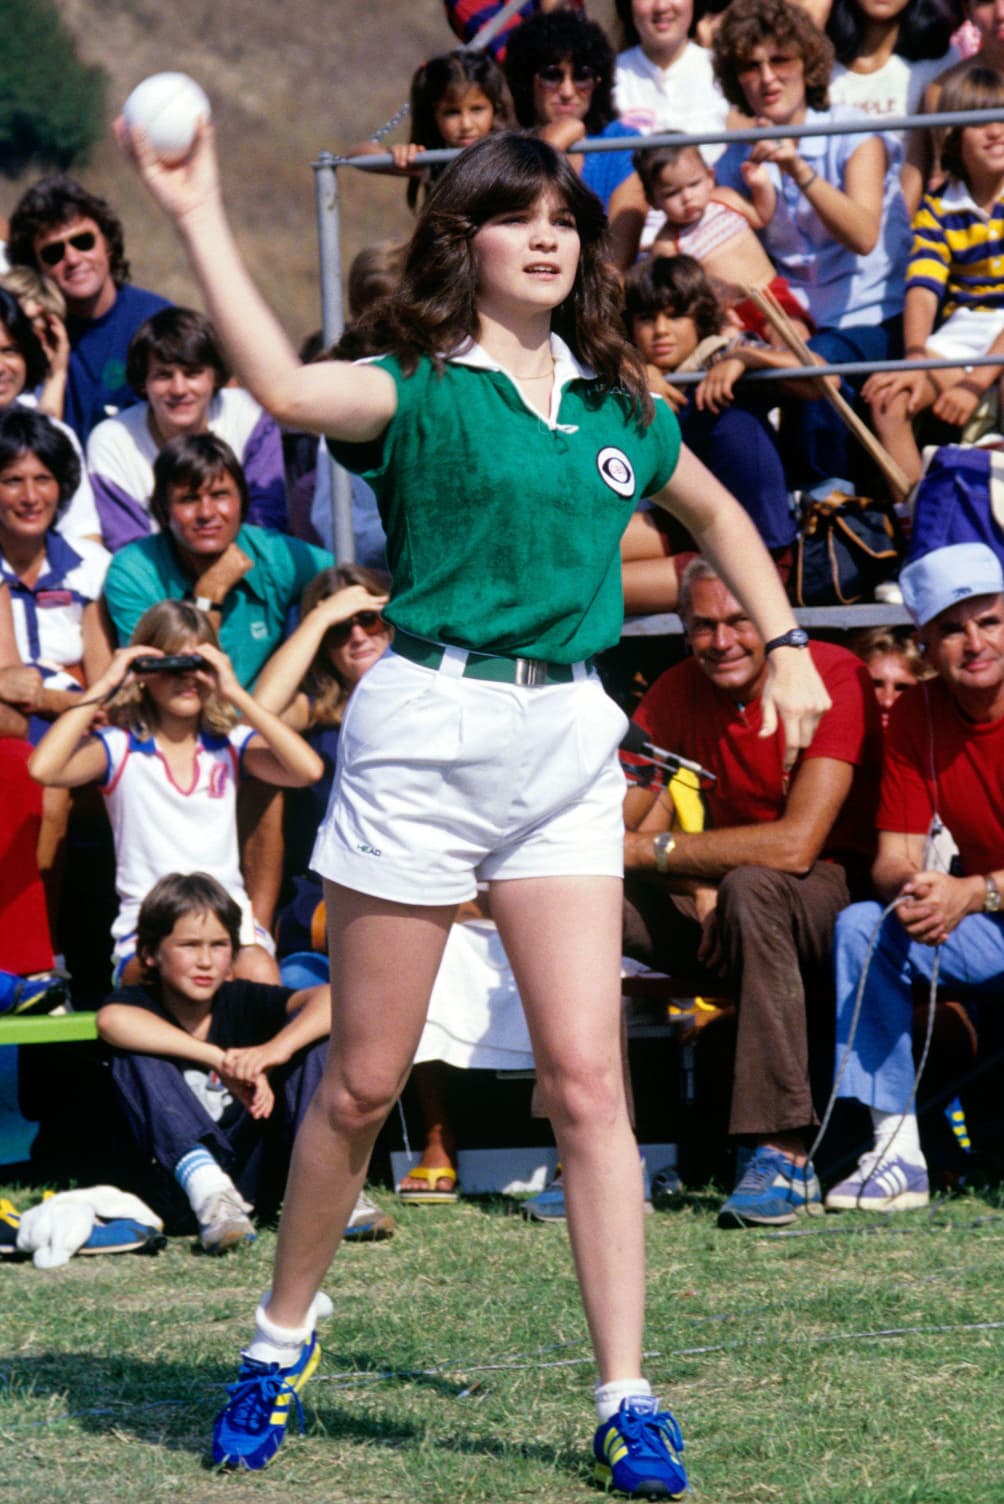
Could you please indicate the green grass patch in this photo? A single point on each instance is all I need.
(856, 1359)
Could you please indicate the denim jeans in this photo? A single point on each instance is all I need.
(880, 1069)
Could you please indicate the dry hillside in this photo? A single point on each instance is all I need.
(287, 79)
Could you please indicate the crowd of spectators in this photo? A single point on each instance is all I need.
(175, 631)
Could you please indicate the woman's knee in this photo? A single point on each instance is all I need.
(356, 1103)
(585, 1094)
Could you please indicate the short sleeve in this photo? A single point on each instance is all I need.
(131, 585)
(370, 460)
(848, 730)
(905, 803)
(115, 743)
(248, 1013)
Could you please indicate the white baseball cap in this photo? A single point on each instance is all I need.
(946, 576)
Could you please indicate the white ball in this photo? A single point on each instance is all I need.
(167, 107)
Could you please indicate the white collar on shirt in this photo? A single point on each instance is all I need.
(567, 365)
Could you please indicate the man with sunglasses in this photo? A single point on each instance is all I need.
(754, 899)
(76, 238)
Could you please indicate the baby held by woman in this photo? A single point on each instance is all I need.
(717, 226)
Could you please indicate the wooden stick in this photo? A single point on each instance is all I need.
(772, 311)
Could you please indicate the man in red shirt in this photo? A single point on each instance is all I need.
(944, 767)
(756, 895)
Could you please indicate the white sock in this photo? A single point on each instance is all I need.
(321, 1307)
(276, 1344)
(896, 1136)
(200, 1176)
(609, 1396)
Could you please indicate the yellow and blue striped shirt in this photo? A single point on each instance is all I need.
(958, 250)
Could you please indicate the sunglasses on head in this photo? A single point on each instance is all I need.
(370, 621)
(53, 253)
(553, 76)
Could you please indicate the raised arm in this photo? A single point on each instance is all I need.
(329, 397)
(59, 759)
(280, 679)
(852, 214)
(281, 755)
(724, 532)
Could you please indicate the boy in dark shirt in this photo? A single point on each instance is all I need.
(213, 1076)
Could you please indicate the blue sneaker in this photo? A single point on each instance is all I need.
(250, 1428)
(638, 1450)
(549, 1204)
(771, 1190)
(881, 1185)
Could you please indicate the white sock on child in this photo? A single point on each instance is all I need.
(896, 1136)
(609, 1396)
(200, 1176)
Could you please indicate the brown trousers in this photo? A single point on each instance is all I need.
(776, 933)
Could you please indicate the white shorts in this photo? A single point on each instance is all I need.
(251, 933)
(968, 332)
(443, 780)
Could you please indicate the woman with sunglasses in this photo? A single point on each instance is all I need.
(308, 681)
(560, 69)
(482, 745)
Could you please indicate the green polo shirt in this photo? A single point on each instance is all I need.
(503, 527)
(255, 611)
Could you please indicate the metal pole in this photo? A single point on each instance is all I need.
(332, 324)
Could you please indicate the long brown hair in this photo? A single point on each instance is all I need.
(323, 685)
(434, 311)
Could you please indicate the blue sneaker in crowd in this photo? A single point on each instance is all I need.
(771, 1190)
(549, 1204)
(638, 1450)
(881, 1185)
(250, 1428)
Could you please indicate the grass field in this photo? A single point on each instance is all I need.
(859, 1359)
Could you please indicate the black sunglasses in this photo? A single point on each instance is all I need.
(53, 253)
(370, 621)
(553, 75)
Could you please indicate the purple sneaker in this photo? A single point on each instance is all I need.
(881, 1185)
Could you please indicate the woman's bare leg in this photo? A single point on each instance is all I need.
(563, 939)
(384, 960)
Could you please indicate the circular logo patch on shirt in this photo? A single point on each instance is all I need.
(616, 470)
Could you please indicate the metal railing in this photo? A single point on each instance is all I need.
(329, 242)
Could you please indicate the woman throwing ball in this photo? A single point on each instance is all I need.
(507, 431)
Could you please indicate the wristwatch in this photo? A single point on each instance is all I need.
(663, 844)
(992, 901)
(796, 637)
